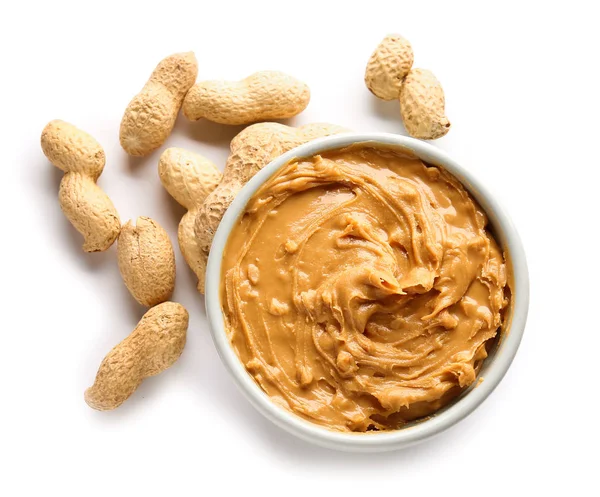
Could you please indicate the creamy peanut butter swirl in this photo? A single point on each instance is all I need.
(360, 288)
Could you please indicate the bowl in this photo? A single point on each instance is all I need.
(494, 367)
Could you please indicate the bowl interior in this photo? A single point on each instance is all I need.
(493, 368)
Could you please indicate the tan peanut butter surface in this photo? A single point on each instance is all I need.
(360, 288)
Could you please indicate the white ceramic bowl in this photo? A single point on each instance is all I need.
(494, 367)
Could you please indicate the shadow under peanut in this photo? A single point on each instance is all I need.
(173, 210)
(205, 131)
(138, 166)
(388, 110)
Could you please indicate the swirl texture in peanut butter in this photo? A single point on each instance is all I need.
(362, 289)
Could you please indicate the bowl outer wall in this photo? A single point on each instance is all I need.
(494, 368)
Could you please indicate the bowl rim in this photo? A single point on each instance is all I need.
(494, 368)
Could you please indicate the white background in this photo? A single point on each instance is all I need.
(522, 88)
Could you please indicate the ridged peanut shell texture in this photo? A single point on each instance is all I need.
(83, 202)
(146, 261)
(154, 345)
(90, 211)
(422, 105)
(150, 116)
(388, 66)
(251, 150)
(72, 150)
(189, 178)
(262, 96)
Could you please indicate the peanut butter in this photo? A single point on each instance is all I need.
(360, 288)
